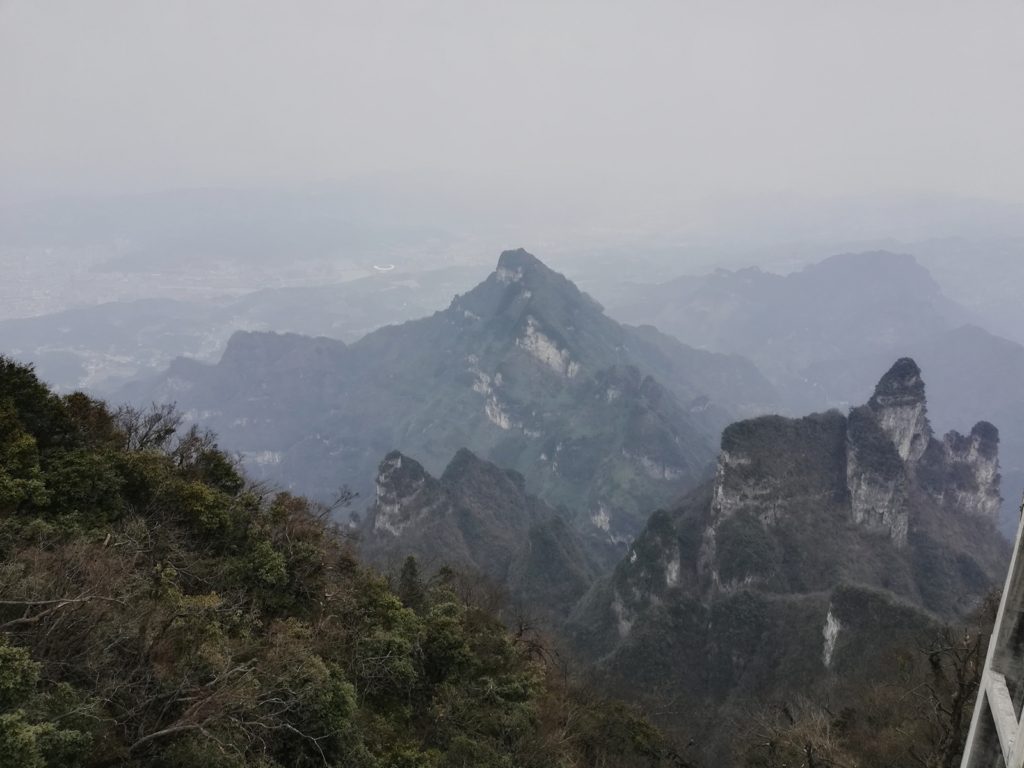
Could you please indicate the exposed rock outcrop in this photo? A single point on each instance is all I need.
(900, 406)
(863, 467)
(803, 505)
(406, 494)
(972, 480)
(479, 518)
(876, 476)
(822, 544)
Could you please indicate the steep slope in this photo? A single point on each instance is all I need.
(820, 542)
(478, 517)
(525, 370)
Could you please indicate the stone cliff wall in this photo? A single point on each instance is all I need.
(864, 467)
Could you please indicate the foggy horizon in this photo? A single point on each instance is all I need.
(643, 117)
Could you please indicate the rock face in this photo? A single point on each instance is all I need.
(819, 541)
(863, 467)
(900, 407)
(406, 495)
(876, 476)
(973, 483)
(756, 486)
(478, 517)
(524, 369)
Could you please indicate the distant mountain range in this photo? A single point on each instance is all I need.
(991, 292)
(844, 307)
(525, 370)
(821, 334)
(822, 544)
(818, 335)
(101, 347)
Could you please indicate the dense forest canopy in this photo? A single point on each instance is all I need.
(157, 609)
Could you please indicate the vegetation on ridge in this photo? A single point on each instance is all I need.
(157, 610)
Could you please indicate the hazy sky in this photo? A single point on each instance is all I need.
(643, 103)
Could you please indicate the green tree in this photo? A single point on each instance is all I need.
(410, 585)
(21, 477)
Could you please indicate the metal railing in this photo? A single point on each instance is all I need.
(996, 737)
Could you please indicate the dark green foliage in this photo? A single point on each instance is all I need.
(804, 457)
(39, 410)
(157, 611)
(745, 548)
(21, 479)
(410, 586)
(84, 484)
(36, 729)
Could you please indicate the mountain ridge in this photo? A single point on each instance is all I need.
(524, 369)
(479, 518)
(821, 541)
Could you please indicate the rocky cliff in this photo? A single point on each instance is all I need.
(478, 518)
(870, 469)
(819, 540)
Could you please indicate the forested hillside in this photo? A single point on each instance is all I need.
(158, 610)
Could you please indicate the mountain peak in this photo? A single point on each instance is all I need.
(901, 384)
(541, 308)
(483, 485)
(259, 350)
(398, 468)
(478, 517)
(465, 464)
(899, 269)
(899, 402)
(986, 432)
(520, 266)
(403, 489)
(519, 259)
